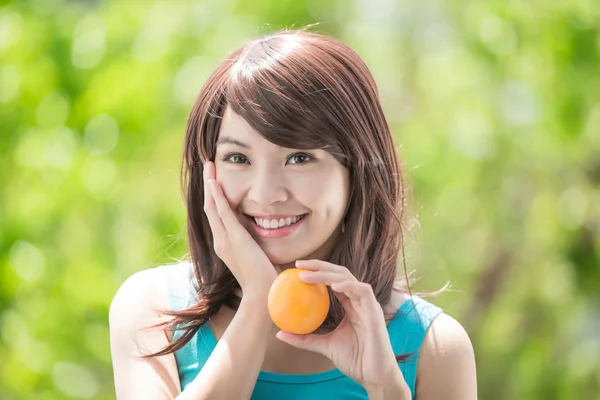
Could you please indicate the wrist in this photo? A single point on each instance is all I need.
(394, 387)
(257, 293)
(256, 299)
(257, 306)
(258, 290)
(397, 393)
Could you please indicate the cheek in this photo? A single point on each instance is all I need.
(232, 187)
(326, 195)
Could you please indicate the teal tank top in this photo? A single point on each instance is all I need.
(406, 331)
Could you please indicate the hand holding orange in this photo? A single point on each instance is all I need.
(296, 306)
(360, 345)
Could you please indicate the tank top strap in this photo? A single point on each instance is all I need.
(182, 294)
(407, 331)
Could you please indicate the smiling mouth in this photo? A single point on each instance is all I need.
(266, 223)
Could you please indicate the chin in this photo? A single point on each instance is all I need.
(284, 257)
(281, 259)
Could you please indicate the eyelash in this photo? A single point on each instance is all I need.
(227, 157)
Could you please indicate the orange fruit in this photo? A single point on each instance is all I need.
(296, 306)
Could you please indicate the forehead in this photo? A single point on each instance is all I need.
(234, 125)
(235, 130)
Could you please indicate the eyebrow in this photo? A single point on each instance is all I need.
(230, 140)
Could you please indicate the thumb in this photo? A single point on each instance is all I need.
(310, 342)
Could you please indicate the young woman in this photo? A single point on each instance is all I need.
(288, 163)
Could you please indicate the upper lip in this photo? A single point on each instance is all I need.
(274, 216)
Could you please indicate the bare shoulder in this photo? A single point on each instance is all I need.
(446, 336)
(137, 293)
(446, 366)
(137, 301)
(133, 311)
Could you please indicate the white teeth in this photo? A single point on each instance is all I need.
(274, 223)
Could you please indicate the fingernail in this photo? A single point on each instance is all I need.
(303, 275)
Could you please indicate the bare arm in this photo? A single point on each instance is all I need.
(132, 310)
(230, 371)
(232, 368)
(446, 368)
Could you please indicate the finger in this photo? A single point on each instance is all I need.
(359, 294)
(210, 209)
(355, 290)
(208, 200)
(310, 342)
(330, 279)
(326, 277)
(224, 210)
(319, 265)
(207, 174)
(344, 300)
(210, 171)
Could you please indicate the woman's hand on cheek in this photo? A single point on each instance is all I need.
(232, 243)
(360, 346)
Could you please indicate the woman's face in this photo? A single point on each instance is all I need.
(291, 201)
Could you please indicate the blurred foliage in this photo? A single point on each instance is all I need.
(495, 107)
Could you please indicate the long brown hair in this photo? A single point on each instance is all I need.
(305, 91)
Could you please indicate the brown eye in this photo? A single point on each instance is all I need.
(299, 158)
(235, 158)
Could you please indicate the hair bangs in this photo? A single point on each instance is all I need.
(281, 102)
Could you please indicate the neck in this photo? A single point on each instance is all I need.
(282, 267)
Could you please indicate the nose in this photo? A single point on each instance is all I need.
(268, 187)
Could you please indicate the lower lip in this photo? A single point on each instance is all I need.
(277, 232)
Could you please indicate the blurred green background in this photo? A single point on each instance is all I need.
(495, 106)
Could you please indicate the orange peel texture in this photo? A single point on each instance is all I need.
(296, 306)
